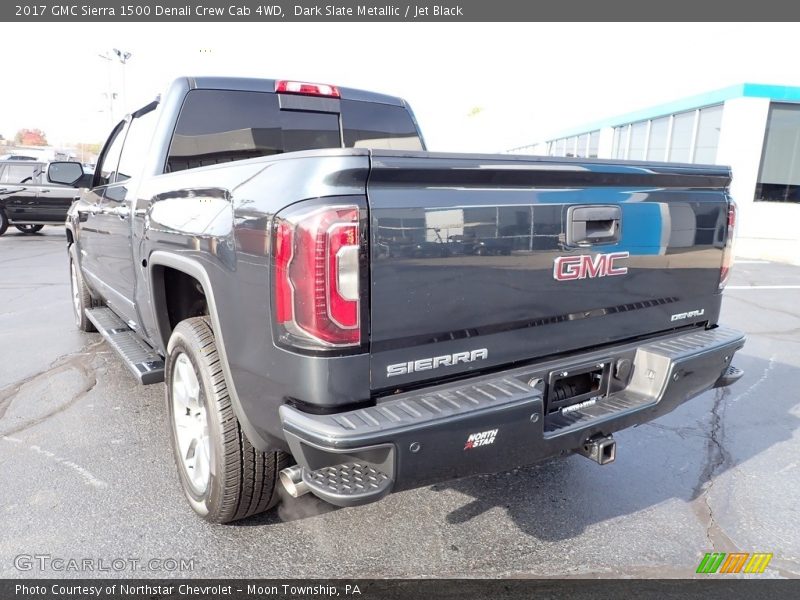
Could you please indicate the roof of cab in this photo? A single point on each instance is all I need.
(251, 84)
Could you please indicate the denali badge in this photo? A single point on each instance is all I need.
(688, 315)
(424, 364)
(585, 266)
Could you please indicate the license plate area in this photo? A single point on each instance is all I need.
(572, 387)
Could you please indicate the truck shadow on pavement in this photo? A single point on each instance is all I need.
(677, 457)
(289, 509)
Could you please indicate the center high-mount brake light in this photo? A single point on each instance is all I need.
(317, 276)
(306, 89)
(727, 253)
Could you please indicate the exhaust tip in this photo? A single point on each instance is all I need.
(292, 481)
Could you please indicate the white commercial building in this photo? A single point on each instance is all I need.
(753, 128)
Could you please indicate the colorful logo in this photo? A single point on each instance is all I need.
(735, 562)
(583, 266)
(483, 438)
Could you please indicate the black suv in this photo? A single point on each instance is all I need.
(28, 199)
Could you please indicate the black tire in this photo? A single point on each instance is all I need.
(3, 221)
(29, 229)
(241, 481)
(79, 293)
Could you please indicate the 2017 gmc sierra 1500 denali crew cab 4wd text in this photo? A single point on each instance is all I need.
(306, 280)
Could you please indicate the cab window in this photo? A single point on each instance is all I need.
(137, 146)
(110, 160)
(28, 173)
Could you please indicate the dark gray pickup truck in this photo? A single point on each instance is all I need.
(305, 279)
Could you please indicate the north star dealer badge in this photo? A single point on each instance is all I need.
(483, 438)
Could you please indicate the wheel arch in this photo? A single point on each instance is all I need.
(158, 262)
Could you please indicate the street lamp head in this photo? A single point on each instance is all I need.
(122, 55)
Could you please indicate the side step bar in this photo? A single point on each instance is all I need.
(144, 362)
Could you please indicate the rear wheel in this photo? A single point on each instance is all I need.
(81, 297)
(29, 229)
(3, 221)
(223, 476)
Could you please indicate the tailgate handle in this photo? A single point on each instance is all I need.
(587, 225)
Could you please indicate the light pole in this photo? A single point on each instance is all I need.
(123, 57)
(109, 93)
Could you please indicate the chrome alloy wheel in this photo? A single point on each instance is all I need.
(76, 292)
(191, 424)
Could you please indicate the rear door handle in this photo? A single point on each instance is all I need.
(588, 225)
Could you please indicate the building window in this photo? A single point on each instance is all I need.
(583, 142)
(594, 143)
(638, 141)
(570, 151)
(657, 146)
(620, 141)
(708, 127)
(779, 175)
(680, 145)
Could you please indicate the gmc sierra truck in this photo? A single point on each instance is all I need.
(246, 242)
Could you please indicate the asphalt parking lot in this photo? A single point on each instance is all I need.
(86, 471)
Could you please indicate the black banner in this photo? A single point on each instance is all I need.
(415, 589)
(401, 10)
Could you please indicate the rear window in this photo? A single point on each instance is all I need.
(378, 126)
(217, 126)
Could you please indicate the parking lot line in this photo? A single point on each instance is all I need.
(762, 287)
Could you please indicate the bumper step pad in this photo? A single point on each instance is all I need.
(732, 375)
(349, 484)
(660, 357)
(144, 362)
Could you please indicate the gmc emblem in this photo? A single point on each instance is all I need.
(586, 266)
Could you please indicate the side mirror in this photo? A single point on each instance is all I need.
(65, 173)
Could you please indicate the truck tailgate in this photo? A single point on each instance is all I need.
(482, 261)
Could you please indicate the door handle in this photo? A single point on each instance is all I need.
(587, 225)
(44, 191)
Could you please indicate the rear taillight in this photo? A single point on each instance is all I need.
(317, 276)
(727, 253)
